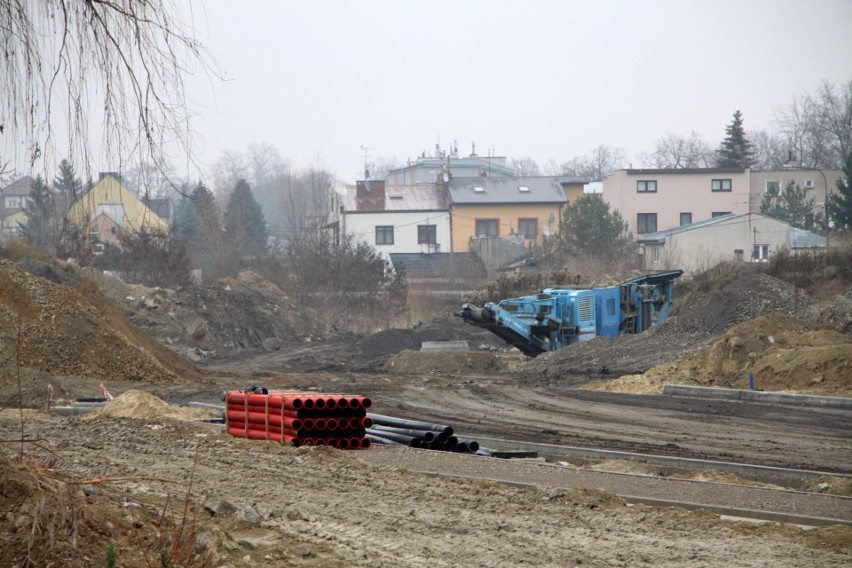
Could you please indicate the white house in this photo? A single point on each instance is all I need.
(747, 237)
(397, 218)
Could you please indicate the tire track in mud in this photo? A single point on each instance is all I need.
(799, 438)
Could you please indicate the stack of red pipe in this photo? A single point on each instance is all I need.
(298, 418)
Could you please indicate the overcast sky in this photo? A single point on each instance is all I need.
(318, 80)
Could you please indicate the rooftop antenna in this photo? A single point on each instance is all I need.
(366, 151)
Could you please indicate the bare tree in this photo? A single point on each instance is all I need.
(306, 203)
(771, 150)
(677, 152)
(228, 169)
(381, 165)
(594, 166)
(68, 57)
(525, 166)
(818, 127)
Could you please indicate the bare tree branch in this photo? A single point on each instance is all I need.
(124, 58)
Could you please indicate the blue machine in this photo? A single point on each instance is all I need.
(558, 317)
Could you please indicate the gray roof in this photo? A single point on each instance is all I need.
(664, 171)
(798, 238)
(420, 197)
(506, 190)
(21, 186)
(659, 237)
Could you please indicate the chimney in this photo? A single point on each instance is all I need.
(370, 194)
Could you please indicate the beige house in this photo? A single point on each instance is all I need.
(109, 206)
(652, 200)
(815, 183)
(746, 237)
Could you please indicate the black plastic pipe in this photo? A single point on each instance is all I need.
(472, 445)
(425, 435)
(379, 440)
(401, 438)
(411, 424)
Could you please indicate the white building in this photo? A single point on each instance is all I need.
(397, 219)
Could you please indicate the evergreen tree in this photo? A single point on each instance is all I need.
(589, 227)
(245, 226)
(69, 188)
(198, 224)
(38, 229)
(840, 204)
(793, 206)
(736, 151)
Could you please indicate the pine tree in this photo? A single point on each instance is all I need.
(245, 225)
(736, 151)
(840, 204)
(38, 229)
(589, 227)
(69, 188)
(793, 206)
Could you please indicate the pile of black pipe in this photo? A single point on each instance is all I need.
(401, 432)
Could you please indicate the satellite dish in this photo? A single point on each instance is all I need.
(446, 177)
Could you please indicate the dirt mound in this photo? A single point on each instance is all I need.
(140, 404)
(78, 332)
(782, 353)
(445, 362)
(746, 297)
(216, 320)
(393, 341)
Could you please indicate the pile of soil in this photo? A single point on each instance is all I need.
(743, 299)
(446, 362)
(392, 341)
(140, 404)
(219, 319)
(77, 332)
(783, 354)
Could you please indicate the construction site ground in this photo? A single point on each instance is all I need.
(85, 482)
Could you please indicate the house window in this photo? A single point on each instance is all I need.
(427, 235)
(773, 186)
(655, 255)
(13, 202)
(610, 306)
(761, 253)
(528, 228)
(646, 186)
(715, 214)
(646, 223)
(384, 234)
(685, 218)
(487, 227)
(721, 185)
(738, 255)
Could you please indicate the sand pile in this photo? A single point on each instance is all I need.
(783, 354)
(141, 404)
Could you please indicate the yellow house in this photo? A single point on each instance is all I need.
(525, 209)
(573, 189)
(110, 205)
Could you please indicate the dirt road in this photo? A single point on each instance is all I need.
(268, 505)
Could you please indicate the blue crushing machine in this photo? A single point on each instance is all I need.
(558, 317)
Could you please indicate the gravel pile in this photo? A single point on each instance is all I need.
(746, 298)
